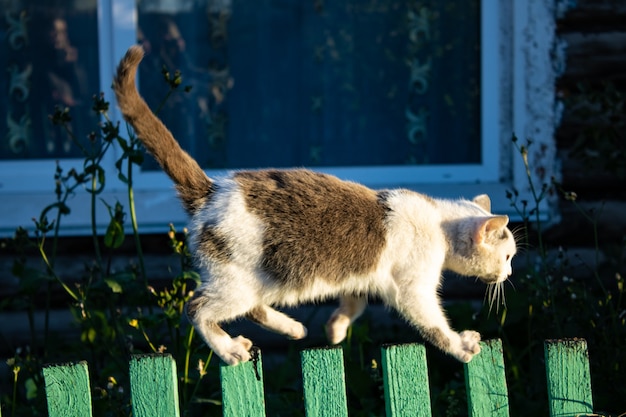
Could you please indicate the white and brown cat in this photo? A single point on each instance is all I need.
(283, 237)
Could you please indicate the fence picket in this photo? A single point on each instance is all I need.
(569, 378)
(242, 388)
(405, 380)
(485, 382)
(67, 390)
(324, 382)
(153, 386)
(154, 390)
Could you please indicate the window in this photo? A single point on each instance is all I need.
(409, 93)
(51, 55)
(347, 83)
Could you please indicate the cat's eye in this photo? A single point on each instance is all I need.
(508, 257)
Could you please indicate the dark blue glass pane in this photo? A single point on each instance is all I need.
(50, 52)
(320, 83)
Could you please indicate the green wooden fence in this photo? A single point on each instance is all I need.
(153, 383)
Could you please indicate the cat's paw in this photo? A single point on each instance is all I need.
(238, 351)
(469, 345)
(337, 328)
(297, 332)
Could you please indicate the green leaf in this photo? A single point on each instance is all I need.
(114, 236)
(31, 389)
(192, 276)
(123, 144)
(64, 208)
(136, 157)
(91, 335)
(122, 177)
(101, 178)
(114, 285)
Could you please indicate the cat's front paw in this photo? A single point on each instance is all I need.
(469, 345)
(238, 351)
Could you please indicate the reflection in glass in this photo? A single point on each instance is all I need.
(50, 51)
(317, 83)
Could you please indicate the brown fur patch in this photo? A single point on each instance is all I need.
(212, 242)
(194, 305)
(383, 199)
(257, 315)
(316, 224)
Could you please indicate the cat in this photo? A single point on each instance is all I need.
(265, 238)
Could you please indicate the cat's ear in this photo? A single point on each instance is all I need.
(487, 225)
(483, 202)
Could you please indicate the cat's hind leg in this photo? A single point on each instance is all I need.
(206, 312)
(350, 308)
(277, 322)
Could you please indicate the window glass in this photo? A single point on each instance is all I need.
(317, 83)
(49, 51)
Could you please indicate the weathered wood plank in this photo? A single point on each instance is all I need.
(153, 386)
(593, 16)
(597, 56)
(67, 390)
(485, 382)
(242, 388)
(569, 377)
(324, 383)
(405, 380)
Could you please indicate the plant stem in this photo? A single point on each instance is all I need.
(147, 338)
(94, 231)
(187, 361)
(55, 241)
(202, 373)
(16, 371)
(133, 221)
(162, 103)
(537, 198)
(67, 289)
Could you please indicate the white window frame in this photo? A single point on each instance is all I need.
(516, 36)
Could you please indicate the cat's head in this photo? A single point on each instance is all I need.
(484, 246)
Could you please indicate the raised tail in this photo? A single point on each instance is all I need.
(193, 185)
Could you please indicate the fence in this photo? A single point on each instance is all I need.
(153, 381)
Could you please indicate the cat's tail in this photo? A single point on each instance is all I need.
(193, 185)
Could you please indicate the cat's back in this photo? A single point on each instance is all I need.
(310, 204)
(300, 191)
(301, 223)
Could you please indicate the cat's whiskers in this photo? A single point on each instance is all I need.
(511, 283)
(495, 295)
(519, 236)
(519, 232)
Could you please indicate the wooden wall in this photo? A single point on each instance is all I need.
(595, 34)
